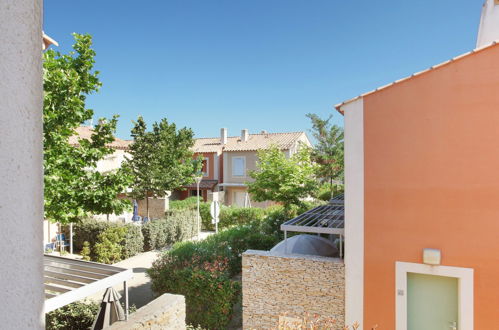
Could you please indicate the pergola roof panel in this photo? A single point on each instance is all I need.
(324, 219)
(69, 280)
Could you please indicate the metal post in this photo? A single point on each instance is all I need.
(285, 242)
(125, 292)
(71, 238)
(341, 246)
(199, 222)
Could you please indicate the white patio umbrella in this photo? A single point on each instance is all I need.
(307, 244)
(110, 310)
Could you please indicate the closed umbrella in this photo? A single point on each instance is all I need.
(135, 216)
(307, 244)
(110, 310)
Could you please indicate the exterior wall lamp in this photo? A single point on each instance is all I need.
(432, 256)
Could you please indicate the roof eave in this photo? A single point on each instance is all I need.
(339, 106)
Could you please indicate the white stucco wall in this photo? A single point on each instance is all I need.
(113, 161)
(21, 193)
(354, 212)
(488, 31)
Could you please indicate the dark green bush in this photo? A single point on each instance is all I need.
(191, 204)
(89, 230)
(177, 226)
(324, 192)
(75, 316)
(232, 216)
(209, 292)
(202, 272)
(134, 241)
(109, 247)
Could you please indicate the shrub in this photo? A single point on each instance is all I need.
(231, 216)
(134, 241)
(202, 271)
(109, 248)
(191, 204)
(85, 251)
(208, 290)
(177, 226)
(324, 192)
(88, 230)
(77, 315)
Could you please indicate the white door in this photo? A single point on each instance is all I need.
(239, 198)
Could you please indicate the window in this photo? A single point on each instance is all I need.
(204, 169)
(238, 166)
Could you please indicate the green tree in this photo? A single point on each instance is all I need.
(328, 151)
(282, 179)
(161, 159)
(73, 186)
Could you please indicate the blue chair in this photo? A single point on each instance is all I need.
(60, 240)
(50, 247)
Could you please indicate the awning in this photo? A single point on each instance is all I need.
(324, 219)
(69, 280)
(203, 185)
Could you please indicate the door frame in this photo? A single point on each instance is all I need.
(465, 291)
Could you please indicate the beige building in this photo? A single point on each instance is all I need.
(228, 161)
(240, 157)
(110, 162)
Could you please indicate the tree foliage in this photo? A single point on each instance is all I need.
(161, 159)
(328, 151)
(73, 187)
(282, 179)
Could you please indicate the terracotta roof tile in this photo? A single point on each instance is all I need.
(472, 52)
(85, 132)
(283, 141)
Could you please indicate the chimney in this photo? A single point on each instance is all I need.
(488, 30)
(223, 136)
(244, 135)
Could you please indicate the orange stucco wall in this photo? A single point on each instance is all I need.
(431, 148)
(211, 163)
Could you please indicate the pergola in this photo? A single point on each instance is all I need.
(68, 280)
(324, 219)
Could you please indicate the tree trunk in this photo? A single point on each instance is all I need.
(331, 186)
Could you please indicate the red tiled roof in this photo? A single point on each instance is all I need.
(255, 142)
(85, 132)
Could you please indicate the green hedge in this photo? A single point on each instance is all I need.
(177, 226)
(208, 290)
(134, 241)
(89, 230)
(191, 204)
(202, 272)
(79, 315)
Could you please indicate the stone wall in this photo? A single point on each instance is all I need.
(276, 285)
(166, 312)
(157, 207)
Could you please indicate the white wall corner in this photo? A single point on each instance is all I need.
(354, 212)
(488, 29)
(21, 165)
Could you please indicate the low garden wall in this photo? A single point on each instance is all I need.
(165, 312)
(277, 287)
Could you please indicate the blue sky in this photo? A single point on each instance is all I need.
(256, 64)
